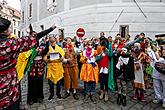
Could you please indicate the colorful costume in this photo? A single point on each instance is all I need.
(105, 62)
(9, 50)
(54, 71)
(139, 84)
(125, 73)
(35, 77)
(9, 84)
(70, 69)
(89, 72)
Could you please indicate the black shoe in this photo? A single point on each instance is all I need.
(40, 100)
(50, 97)
(31, 103)
(123, 100)
(59, 96)
(119, 99)
(86, 98)
(93, 99)
(66, 95)
(75, 96)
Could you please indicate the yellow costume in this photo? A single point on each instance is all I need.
(55, 69)
(88, 72)
(21, 63)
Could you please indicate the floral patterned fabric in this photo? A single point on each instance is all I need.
(9, 50)
(37, 68)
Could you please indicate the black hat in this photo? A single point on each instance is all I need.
(4, 24)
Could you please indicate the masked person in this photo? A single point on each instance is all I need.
(9, 50)
(89, 72)
(54, 67)
(140, 59)
(70, 70)
(125, 67)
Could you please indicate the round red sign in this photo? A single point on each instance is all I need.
(80, 32)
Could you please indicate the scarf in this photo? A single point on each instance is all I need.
(88, 52)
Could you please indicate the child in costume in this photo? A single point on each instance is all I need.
(89, 71)
(125, 67)
(139, 60)
(70, 69)
(105, 63)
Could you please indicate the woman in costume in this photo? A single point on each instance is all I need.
(89, 71)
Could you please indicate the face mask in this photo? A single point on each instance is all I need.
(136, 49)
(97, 43)
(90, 47)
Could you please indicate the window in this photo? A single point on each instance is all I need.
(19, 34)
(30, 10)
(14, 31)
(124, 30)
(61, 33)
(14, 22)
(23, 16)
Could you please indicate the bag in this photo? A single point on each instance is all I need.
(160, 67)
(149, 69)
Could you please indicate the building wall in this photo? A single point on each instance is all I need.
(6, 13)
(100, 15)
(82, 3)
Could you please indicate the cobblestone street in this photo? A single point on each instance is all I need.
(71, 104)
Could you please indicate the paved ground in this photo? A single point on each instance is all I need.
(71, 104)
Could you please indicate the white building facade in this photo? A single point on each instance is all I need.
(110, 16)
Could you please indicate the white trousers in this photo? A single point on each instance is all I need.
(159, 89)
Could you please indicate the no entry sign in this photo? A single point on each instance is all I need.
(80, 32)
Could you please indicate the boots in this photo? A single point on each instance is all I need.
(106, 97)
(136, 95)
(124, 100)
(119, 99)
(142, 97)
(102, 95)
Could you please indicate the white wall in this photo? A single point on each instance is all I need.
(100, 17)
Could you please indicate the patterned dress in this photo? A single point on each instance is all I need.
(35, 78)
(9, 50)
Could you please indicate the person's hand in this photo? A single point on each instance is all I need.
(37, 49)
(54, 26)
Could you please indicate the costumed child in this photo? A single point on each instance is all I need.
(89, 71)
(139, 84)
(105, 63)
(125, 67)
(70, 70)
